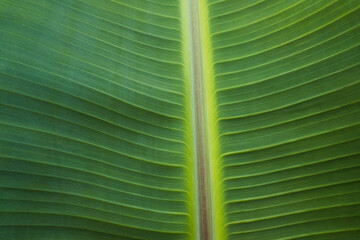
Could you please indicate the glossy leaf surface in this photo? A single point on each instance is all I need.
(98, 130)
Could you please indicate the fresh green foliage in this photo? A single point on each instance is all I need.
(287, 79)
(97, 115)
(93, 136)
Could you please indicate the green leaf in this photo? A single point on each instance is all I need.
(182, 119)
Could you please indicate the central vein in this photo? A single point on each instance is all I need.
(205, 218)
